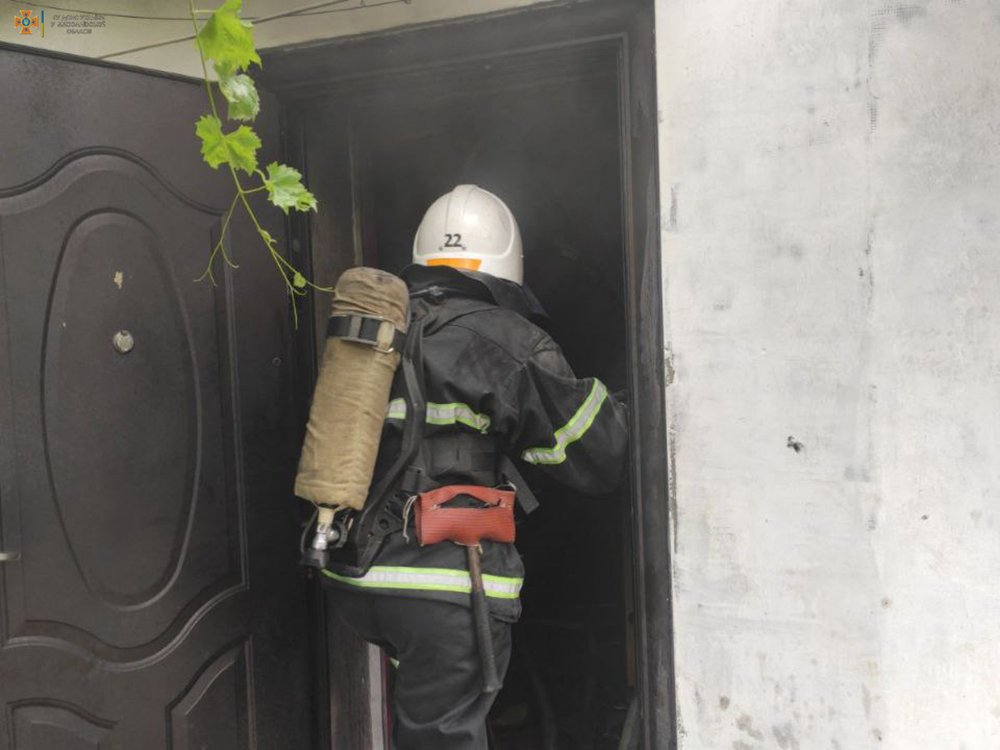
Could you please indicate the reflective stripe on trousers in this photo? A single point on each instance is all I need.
(430, 579)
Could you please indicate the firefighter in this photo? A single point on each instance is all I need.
(497, 388)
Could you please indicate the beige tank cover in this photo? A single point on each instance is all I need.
(352, 394)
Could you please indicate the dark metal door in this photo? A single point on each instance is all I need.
(149, 589)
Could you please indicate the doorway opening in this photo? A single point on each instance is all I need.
(532, 107)
(548, 146)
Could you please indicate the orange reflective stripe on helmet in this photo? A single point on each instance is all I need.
(468, 264)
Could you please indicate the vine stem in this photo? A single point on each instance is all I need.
(220, 245)
(201, 56)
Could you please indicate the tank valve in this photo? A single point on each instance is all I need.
(329, 533)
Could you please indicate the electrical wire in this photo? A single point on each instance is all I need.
(309, 10)
(109, 14)
(364, 6)
(189, 37)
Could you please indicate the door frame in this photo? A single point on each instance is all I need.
(358, 66)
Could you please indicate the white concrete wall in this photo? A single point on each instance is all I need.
(114, 32)
(831, 242)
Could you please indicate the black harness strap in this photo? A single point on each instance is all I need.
(510, 474)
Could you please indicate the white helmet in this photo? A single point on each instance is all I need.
(472, 229)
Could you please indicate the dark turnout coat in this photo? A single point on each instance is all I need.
(493, 379)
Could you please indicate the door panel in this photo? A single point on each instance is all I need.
(151, 418)
(53, 727)
(217, 702)
(144, 420)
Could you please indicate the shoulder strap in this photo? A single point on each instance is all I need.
(412, 364)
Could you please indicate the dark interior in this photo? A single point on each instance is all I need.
(550, 148)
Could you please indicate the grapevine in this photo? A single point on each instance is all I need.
(227, 40)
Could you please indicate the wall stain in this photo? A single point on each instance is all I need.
(906, 13)
(672, 221)
(785, 737)
(792, 250)
(857, 474)
(867, 276)
(745, 724)
(882, 18)
(794, 444)
(872, 113)
(724, 702)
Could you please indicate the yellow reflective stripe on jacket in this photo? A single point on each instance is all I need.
(442, 414)
(430, 579)
(461, 413)
(396, 409)
(572, 431)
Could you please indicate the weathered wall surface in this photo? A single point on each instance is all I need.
(831, 241)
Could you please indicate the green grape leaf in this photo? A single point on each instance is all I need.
(242, 145)
(298, 281)
(227, 39)
(241, 93)
(238, 148)
(213, 145)
(285, 188)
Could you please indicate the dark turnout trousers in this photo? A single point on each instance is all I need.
(437, 700)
